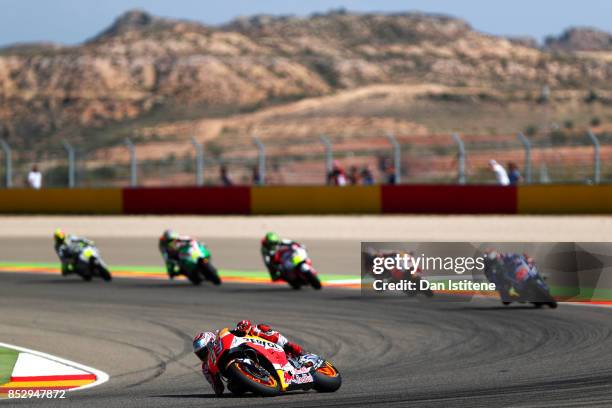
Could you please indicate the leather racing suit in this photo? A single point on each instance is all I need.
(262, 331)
(68, 251)
(170, 252)
(273, 257)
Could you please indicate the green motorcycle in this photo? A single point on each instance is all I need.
(195, 264)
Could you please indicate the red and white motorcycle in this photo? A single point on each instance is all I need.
(296, 267)
(252, 364)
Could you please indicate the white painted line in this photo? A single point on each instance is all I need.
(31, 365)
(101, 377)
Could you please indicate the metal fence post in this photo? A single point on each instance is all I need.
(261, 168)
(397, 157)
(527, 145)
(71, 167)
(329, 156)
(596, 157)
(460, 159)
(199, 154)
(133, 167)
(8, 157)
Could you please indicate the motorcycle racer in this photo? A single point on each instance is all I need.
(505, 268)
(272, 250)
(204, 342)
(169, 245)
(68, 247)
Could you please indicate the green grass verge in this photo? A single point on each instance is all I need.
(8, 357)
(161, 270)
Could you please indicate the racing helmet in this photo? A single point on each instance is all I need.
(202, 343)
(168, 236)
(59, 235)
(271, 240)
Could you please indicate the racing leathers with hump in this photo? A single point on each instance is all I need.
(67, 248)
(169, 245)
(272, 246)
(204, 342)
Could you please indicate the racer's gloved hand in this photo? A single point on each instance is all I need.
(264, 327)
(244, 326)
(293, 349)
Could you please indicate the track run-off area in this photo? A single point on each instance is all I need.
(390, 350)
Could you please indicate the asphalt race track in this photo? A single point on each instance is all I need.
(390, 351)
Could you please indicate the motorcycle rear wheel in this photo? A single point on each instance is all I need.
(244, 378)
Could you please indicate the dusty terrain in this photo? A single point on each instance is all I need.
(360, 73)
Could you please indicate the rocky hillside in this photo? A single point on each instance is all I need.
(581, 39)
(151, 69)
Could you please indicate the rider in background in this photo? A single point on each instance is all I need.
(204, 342)
(272, 249)
(504, 268)
(169, 245)
(68, 248)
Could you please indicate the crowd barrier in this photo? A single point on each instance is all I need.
(403, 199)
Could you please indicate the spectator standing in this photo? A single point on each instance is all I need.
(337, 176)
(500, 173)
(225, 178)
(255, 175)
(391, 176)
(35, 178)
(366, 176)
(514, 175)
(353, 176)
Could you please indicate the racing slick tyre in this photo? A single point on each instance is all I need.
(86, 277)
(103, 272)
(326, 378)
(506, 303)
(245, 377)
(210, 273)
(315, 282)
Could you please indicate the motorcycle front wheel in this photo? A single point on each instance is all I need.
(210, 272)
(254, 379)
(326, 378)
(314, 281)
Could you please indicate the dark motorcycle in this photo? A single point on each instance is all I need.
(518, 284)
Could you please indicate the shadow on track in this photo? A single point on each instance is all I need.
(490, 308)
(58, 281)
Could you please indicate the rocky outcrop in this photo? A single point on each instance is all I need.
(581, 39)
(146, 65)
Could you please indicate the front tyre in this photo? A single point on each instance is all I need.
(103, 272)
(314, 281)
(326, 378)
(246, 377)
(210, 273)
